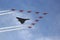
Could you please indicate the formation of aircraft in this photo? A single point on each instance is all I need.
(22, 20)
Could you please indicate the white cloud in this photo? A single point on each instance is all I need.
(27, 35)
(47, 38)
(42, 38)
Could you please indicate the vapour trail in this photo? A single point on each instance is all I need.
(5, 11)
(12, 28)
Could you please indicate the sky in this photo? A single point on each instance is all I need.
(46, 29)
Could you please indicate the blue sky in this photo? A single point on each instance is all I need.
(46, 29)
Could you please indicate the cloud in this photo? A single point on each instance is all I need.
(28, 35)
(25, 35)
(48, 38)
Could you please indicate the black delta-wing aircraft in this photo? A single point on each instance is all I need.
(21, 20)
